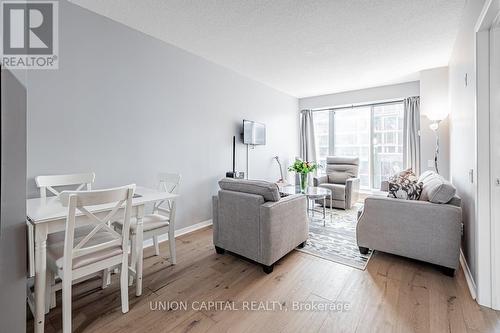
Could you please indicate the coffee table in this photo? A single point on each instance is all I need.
(312, 193)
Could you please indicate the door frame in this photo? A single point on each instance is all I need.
(487, 231)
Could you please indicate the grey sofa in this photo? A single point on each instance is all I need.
(342, 178)
(428, 229)
(252, 220)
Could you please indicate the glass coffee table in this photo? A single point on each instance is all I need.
(312, 193)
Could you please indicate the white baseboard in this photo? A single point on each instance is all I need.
(180, 232)
(468, 276)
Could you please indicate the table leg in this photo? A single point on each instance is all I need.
(324, 211)
(40, 276)
(139, 251)
(171, 234)
(331, 205)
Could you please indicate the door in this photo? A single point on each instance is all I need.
(495, 159)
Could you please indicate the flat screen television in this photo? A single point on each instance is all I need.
(254, 133)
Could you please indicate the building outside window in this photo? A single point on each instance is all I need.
(374, 133)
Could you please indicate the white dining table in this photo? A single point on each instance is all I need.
(47, 216)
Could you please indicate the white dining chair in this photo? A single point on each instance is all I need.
(50, 184)
(101, 248)
(160, 222)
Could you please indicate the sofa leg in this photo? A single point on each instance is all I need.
(363, 250)
(268, 269)
(301, 245)
(219, 250)
(448, 271)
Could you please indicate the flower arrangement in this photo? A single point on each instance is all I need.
(303, 168)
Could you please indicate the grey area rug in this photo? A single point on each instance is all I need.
(337, 240)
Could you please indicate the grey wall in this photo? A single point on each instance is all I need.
(128, 106)
(462, 124)
(13, 205)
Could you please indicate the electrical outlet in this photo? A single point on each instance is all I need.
(430, 163)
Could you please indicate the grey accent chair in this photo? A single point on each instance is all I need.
(252, 220)
(342, 179)
(428, 229)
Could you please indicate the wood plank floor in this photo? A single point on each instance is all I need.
(393, 294)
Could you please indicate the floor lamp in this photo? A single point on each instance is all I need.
(434, 126)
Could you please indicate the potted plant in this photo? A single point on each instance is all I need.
(303, 168)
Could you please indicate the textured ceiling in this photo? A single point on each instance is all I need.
(302, 47)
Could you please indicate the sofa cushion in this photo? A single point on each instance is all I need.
(339, 177)
(407, 191)
(337, 189)
(343, 165)
(405, 185)
(269, 191)
(435, 188)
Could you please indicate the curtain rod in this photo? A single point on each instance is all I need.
(356, 105)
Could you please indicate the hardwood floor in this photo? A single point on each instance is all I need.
(393, 294)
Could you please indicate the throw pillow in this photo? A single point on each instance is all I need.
(405, 185)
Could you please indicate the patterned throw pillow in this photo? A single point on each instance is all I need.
(405, 185)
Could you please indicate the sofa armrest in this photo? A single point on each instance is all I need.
(417, 229)
(283, 226)
(320, 180)
(351, 191)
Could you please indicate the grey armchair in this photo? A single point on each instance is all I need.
(342, 179)
(252, 220)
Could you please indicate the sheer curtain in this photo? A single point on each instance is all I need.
(307, 143)
(412, 132)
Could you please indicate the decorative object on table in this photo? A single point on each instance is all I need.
(428, 229)
(281, 181)
(342, 179)
(337, 241)
(405, 185)
(434, 126)
(303, 169)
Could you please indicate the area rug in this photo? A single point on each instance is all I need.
(337, 240)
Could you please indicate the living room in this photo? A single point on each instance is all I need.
(250, 166)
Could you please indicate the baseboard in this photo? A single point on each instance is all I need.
(180, 232)
(468, 276)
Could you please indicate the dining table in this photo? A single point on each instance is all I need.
(47, 215)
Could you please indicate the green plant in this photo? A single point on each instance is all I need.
(303, 167)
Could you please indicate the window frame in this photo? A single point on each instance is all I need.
(371, 155)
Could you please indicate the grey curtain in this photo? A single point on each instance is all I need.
(412, 132)
(307, 144)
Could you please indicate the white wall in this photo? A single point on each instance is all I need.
(128, 106)
(376, 94)
(462, 125)
(434, 104)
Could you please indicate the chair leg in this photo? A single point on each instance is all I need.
(171, 244)
(133, 259)
(66, 304)
(49, 281)
(124, 284)
(53, 302)
(106, 278)
(157, 245)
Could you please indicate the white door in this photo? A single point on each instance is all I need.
(495, 160)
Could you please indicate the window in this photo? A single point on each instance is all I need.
(373, 133)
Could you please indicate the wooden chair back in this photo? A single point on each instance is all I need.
(78, 203)
(83, 180)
